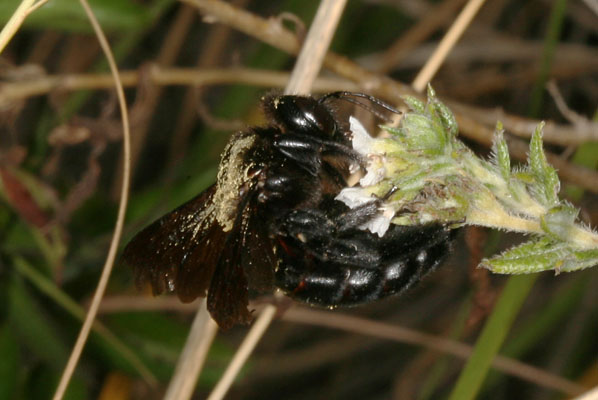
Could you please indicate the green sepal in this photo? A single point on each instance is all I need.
(442, 114)
(414, 104)
(503, 160)
(545, 175)
(559, 221)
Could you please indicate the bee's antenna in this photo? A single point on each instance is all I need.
(347, 96)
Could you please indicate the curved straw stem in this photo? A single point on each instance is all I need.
(15, 21)
(122, 207)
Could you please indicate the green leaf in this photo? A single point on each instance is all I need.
(68, 15)
(541, 255)
(533, 256)
(578, 260)
(32, 327)
(114, 343)
(9, 363)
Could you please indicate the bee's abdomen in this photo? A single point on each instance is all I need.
(403, 259)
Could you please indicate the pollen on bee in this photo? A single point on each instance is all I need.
(170, 285)
(422, 256)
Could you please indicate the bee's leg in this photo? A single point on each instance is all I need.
(326, 266)
(309, 151)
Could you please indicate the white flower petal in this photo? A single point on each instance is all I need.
(354, 196)
(362, 141)
(378, 225)
(375, 172)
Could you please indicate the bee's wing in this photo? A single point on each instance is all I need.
(179, 251)
(247, 260)
(259, 260)
(187, 252)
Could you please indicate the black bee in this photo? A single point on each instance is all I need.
(271, 220)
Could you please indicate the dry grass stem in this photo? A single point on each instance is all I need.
(589, 395)
(437, 16)
(14, 23)
(36, 6)
(107, 269)
(315, 47)
(304, 73)
(202, 333)
(446, 44)
(251, 340)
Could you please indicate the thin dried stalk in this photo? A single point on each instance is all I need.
(15, 22)
(589, 395)
(306, 69)
(122, 207)
(242, 355)
(202, 333)
(446, 44)
(13, 92)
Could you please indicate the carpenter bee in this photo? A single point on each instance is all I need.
(271, 221)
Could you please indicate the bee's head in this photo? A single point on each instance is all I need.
(301, 114)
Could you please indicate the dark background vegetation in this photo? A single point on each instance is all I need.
(60, 168)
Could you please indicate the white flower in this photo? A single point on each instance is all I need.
(356, 196)
(365, 145)
(379, 224)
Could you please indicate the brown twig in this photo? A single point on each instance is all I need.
(12, 92)
(377, 329)
(362, 326)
